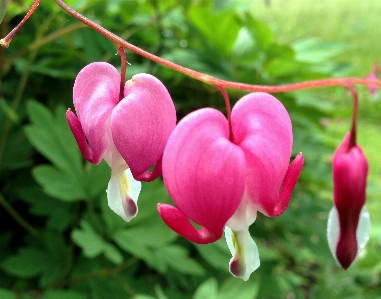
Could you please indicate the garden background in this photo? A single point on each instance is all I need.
(58, 238)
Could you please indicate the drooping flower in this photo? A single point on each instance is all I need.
(128, 131)
(220, 174)
(348, 220)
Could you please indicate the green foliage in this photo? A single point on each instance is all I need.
(59, 239)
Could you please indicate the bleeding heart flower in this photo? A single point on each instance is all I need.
(129, 134)
(348, 221)
(220, 174)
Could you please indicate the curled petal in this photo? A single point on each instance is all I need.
(122, 194)
(95, 94)
(141, 124)
(179, 222)
(262, 128)
(79, 135)
(203, 171)
(288, 185)
(346, 244)
(245, 258)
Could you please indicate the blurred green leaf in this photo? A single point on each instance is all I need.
(208, 290)
(6, 294)
(91, 243)
(62, 294)
(28, 262)
(239, 289)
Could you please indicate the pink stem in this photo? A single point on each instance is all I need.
(352, 138)
(7, 40)
(228, 110)
(210, 79)
(123, 59)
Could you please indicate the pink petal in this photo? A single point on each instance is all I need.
(76, 129)
(95, 94)
(288, 185)
(179, 222)
(203, 171)
(262, 128)
(141, 124)
(350, 170)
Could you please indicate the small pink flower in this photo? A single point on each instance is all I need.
(129, 134)
(348, 221)
(219, 177)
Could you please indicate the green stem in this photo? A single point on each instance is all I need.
(17, 217)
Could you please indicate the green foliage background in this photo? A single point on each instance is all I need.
(58, 238)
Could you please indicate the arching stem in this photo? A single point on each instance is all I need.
(210, 79)
(7, 40)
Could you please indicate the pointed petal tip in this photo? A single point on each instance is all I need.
(149, 176)
(179, 223)
(290, 179)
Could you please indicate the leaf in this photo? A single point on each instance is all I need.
(217, 254)
(313, 50)
(27, 263)
(177, 258)
(113, 254)
(207, 290)
(3, 9)
(52, 137)
(58, 184)
(62, 294)
(90, 242)
(239, 289)
(6, 294)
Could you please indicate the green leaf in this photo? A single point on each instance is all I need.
(62, 294)
(90, 242)
(3, 9)
(207, 290)
(140, 296)
(28, 262)
(177, 258)
(217, 254)
(52, 137)
(58, 184)
(313, 50)
(219, 28)
(113, 254)
(6, 294)
(239, 289)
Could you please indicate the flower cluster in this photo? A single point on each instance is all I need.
(219, 171)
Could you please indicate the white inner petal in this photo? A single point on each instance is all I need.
(244, 251)
(333, 230)
(363, 228)
(123, 192)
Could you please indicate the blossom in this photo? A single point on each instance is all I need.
(129, 130)
(348, 220)
(220, 174)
